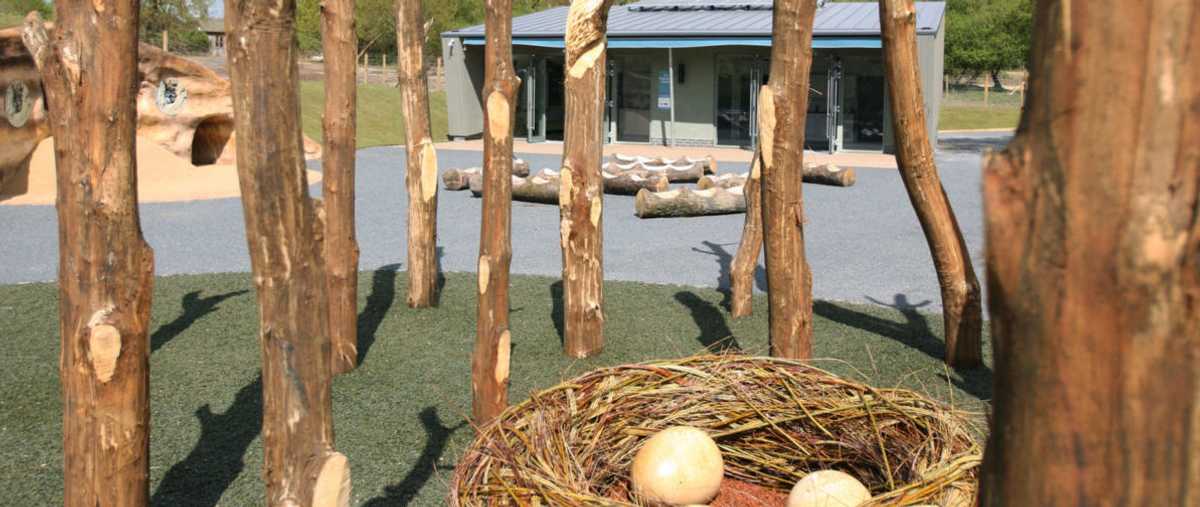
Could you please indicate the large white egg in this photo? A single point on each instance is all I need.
(680, 465)
(828, 488)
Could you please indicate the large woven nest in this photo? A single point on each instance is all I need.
(774, 421)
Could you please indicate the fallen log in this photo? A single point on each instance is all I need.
(685, 202)
(817, 174)
(540, 188)
(631, 182)
(520, 168)
(727, 180)
(678, 173)
(708, 164)
(460, 179)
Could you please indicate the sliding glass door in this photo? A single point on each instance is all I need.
(739, 78)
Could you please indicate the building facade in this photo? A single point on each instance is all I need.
(686, 72)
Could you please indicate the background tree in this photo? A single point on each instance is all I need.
(105, 269)
(1093, 254)
(13, 11)
(180, 18)
(987, 36)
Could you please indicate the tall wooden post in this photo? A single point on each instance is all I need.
(741, 273)
(421, 164)
(782, 109)
(105, 269)
(339, 43)
(489, 369)
(962, 302)
(581, 194)
(284, 234)
(1093, 252)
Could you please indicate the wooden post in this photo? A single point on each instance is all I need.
(421, 164)
(284, 237)
(338, 42)
(489, 369)
(1093, 255)
(385, 61)
(962, 301)
(582, 196)
(741, 273)
(88, 65)
(987, 88)
(782, 109)
(164, 42)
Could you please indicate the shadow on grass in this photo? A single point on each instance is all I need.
(914, 332)
(437, 436)
(556, 311)
(194, 307)
(715, 334)
(218, 457)
(379, 301)
(725, 265)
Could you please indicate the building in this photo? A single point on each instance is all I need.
(712, 55)
(215, 30)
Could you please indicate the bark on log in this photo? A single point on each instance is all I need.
(727, 180)
(339, 43)
(582, 194)
(520, 167)
(542, 188)
(829, 174)
(631, 182)
(1093, 255)
(489, 365)
(677, 173)
(962, 304)
(460, 179)
(89, 72)
(707, 163)
(782, 109)
(745, 262)
(685, 202)
(421, 165)
(284, 233)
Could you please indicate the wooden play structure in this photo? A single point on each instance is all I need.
(1092, 254)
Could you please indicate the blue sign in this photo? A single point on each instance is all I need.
(664, 89)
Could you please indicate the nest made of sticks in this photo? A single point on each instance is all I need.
(774, 420)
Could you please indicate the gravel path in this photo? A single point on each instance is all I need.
(863, 242)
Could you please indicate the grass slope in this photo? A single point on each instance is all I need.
(380, 119)
(400, 416)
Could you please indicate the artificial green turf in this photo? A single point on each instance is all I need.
(380, 119)
(400, 416)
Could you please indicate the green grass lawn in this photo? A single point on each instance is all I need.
(963, 109)
(380, 120)
(400, 416)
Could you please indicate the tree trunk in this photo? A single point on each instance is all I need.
(105, 268)
(489, 367)
(962, 307)
(582, 194)
(421, 163)
(631, 182)
(284, 234)
(339, 43)
(690, 172)
(782, 107)
(1093, 254)
(745, 263)
(685, 202)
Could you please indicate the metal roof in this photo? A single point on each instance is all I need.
(700, 18)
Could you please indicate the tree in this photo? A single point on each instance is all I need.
(987, 36)
(180, 18)
(782, 107)
(581, 199)
(962, 301)
(105, 275)
(489, 369)
(284, 235)
(1093, 252)
(421, 165)
(341, 247)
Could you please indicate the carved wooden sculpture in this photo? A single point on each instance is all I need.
(284, 234)
(421, 164)
(88, 65)
(493, 341)
(1093, 255)
(962, 304)
(685, 202)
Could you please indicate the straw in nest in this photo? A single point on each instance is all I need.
(774, 421)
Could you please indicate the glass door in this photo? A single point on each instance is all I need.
(738, 81)
(833, 108)
(531, 106)
(863, 118)
(634, 85)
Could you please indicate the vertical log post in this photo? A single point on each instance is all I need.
(962, 302)
(741, 273)
(339, 43)
(284, 232)
(782, 108)
(489, 369)
(105, 269)
(421, 163)
(1093, 254)
(581, 194)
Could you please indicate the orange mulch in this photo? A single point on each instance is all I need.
(735, 493)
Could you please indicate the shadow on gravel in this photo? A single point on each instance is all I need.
(972, 144)
(194, 307)
(437, 435)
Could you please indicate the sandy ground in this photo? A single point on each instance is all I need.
(162, 177)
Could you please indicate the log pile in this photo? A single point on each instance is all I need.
(540, 188)
(818, 174)
(633, 181)
(707, 163)
(685, 202)
(460, 179)
(685, 172)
